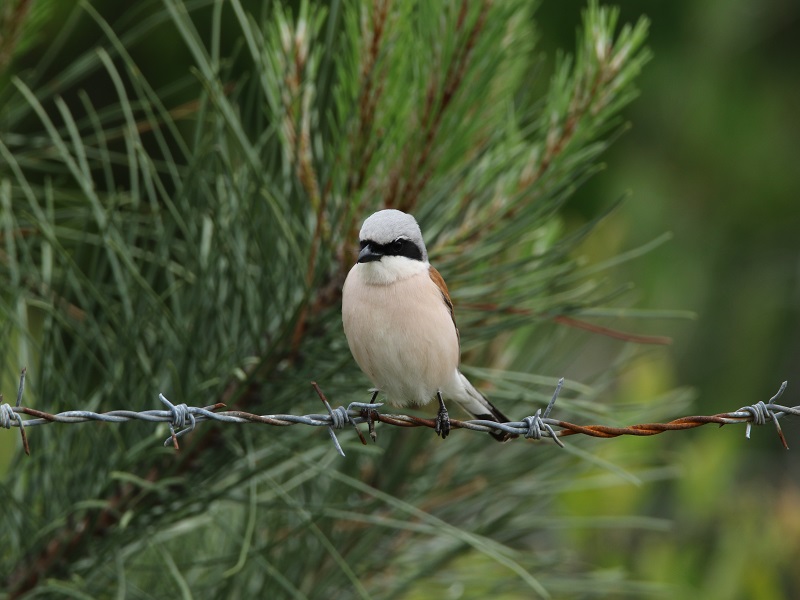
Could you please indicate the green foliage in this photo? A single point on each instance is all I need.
(192, 238)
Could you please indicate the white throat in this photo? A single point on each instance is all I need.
(389, 269)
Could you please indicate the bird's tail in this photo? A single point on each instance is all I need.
(479, 407)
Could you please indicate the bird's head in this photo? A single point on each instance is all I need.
(391, 246)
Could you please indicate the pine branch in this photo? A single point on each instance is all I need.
(195, 238)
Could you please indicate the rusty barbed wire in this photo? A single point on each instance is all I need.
(183, 419)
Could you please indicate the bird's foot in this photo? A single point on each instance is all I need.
(442, 419)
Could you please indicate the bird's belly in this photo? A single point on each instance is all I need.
(402, 336)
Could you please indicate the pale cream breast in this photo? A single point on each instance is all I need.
(400, 331)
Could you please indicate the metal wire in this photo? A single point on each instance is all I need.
(183, 419)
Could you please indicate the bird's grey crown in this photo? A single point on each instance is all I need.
(385, 226)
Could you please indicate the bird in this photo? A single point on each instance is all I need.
(400, 325)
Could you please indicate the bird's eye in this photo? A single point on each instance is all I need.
(398, 243)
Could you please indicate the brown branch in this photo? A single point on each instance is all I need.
(576, 323)
(371, 91)
(581, 103)
(625, 336)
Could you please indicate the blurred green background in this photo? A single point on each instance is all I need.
(713, 156)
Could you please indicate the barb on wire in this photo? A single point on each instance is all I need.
(537, 422)
(183, 419)
(342, 415)
(9, 417)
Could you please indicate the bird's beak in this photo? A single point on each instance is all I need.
(369, 254)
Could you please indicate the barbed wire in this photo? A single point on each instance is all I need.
(183, 419)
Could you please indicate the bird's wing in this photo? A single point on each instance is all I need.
(438, 280)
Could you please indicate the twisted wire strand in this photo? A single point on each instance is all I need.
(183, 419)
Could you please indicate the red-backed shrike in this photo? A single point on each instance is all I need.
(400, 325)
